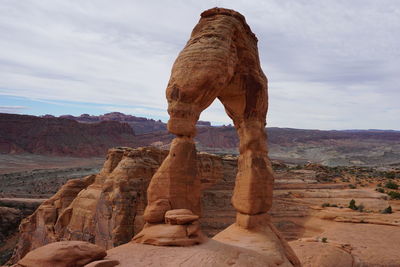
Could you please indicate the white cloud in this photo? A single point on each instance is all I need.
(331, 64)
(11, 109)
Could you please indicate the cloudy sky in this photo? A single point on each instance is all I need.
(331, 64)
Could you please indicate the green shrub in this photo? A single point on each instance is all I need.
(391, 185)
(388, 210)
(324, 240)
(394, 195)
(380, 190)
(352, 204)
(390, 175)
(325, 205)
(352, 186)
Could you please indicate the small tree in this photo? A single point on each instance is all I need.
(391, 185)
(394, 194)
(390, 175)
(352, 204)
(380, 190)
(388, 210)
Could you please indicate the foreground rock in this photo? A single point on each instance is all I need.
(181, 228)
(318, 254)
(262, 238)
(39, 228)
(209, 253)
(63, 254)
(106, 209)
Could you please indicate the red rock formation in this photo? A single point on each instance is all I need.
(296, 211)
(55, 136)
(139, 125)
(63, 254)
(219, 61)
(38, 229)
(107, 208)
(209, 253)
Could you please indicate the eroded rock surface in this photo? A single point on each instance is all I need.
(219, 61)
(38, 229)
(63, 254)
(318, 254)
(181, 228)
(296, 211)
(209, 253)
(106, 209)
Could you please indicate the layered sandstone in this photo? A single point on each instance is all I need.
(39, 228)
(205, 69)
(63, 254)
(219, 61)
(58, 136)
(209, 253)
(107, 209)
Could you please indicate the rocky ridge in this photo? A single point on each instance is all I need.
(55, 136)
(333, 148)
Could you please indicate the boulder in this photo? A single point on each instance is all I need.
(63, 254)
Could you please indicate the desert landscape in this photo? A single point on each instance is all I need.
(123, 190)
(310, 208)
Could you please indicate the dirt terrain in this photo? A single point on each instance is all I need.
(13, 163)
(38, 176)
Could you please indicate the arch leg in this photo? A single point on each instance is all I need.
(254, 181)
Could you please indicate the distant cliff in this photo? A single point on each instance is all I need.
(88, 135)
(59, 136)
(139, 124)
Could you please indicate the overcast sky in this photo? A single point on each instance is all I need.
(331, 64)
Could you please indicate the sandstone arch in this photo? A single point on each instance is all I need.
(220, 60)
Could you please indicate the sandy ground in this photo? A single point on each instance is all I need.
(28, 162)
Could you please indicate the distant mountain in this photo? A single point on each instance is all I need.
(59, 136)
(139, 124)
(88, 135)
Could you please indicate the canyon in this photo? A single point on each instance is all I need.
(69, 136)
